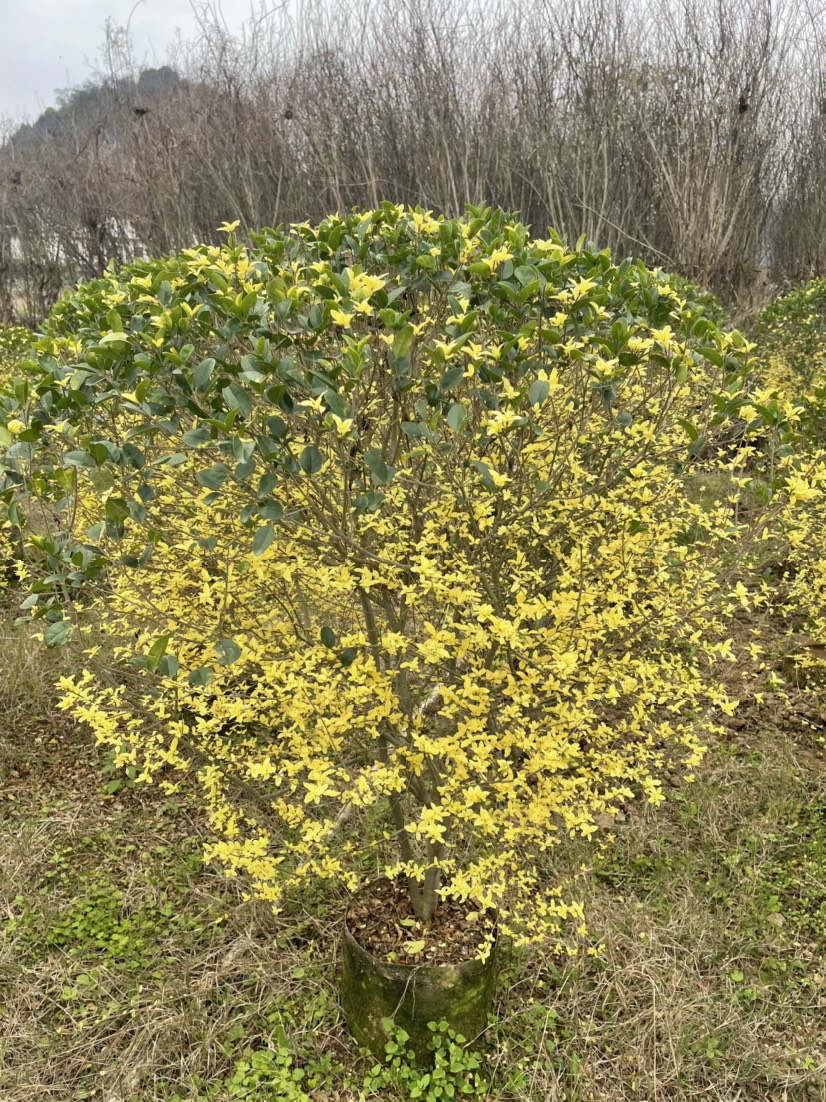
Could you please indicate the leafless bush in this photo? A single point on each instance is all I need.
(689, 132)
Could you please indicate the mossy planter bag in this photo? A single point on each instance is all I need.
(412, 996)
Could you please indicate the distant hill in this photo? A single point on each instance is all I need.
(91, 105)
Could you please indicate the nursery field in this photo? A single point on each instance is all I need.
(133, 973)
(409, 592)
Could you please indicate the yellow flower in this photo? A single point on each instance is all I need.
(342, 427)
(497, 257)
(581, 288)
(363, 284)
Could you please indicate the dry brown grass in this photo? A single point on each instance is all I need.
(25, 685)
(139, 1029)
(660, 1016)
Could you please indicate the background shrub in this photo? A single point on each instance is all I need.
(791, 338)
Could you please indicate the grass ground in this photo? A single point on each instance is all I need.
(130, 972)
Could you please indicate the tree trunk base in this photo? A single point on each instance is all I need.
(412, 996)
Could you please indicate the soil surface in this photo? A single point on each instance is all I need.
(382, 921)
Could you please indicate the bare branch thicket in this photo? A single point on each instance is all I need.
(691, 133)
(798, 221)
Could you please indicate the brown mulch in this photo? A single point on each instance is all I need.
(381, 919)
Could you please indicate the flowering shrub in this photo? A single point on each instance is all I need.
(393, 515)
(791, 337)
(791, 363)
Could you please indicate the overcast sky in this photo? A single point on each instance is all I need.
(50, 44)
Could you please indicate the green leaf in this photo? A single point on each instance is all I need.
(371, 502)
(78, 378)
(247, 303)
(100, 452)
(403, 341)
(262, 539)
(328, 637)
(525, 274)
(380, 473)
(200, 677)
(78, 459)
(213, 477)
(242, 449)
(266, 484)
(456, 416)
(538, 392)
(713, 355)
(156, 652)
(271, 510)
(413, 947)
(310, 460)
(135, 457)
(692, 430)
(200, 376)
(277, 427)
(484, 471)
(348, 656)
(336, 404)
(193, 437)
(57, 634)
(451, 378)
(416, 430)
(227, 651)
(696, 446)
(237, 398)
(243, 470)
(168, 665)
(116, 509)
